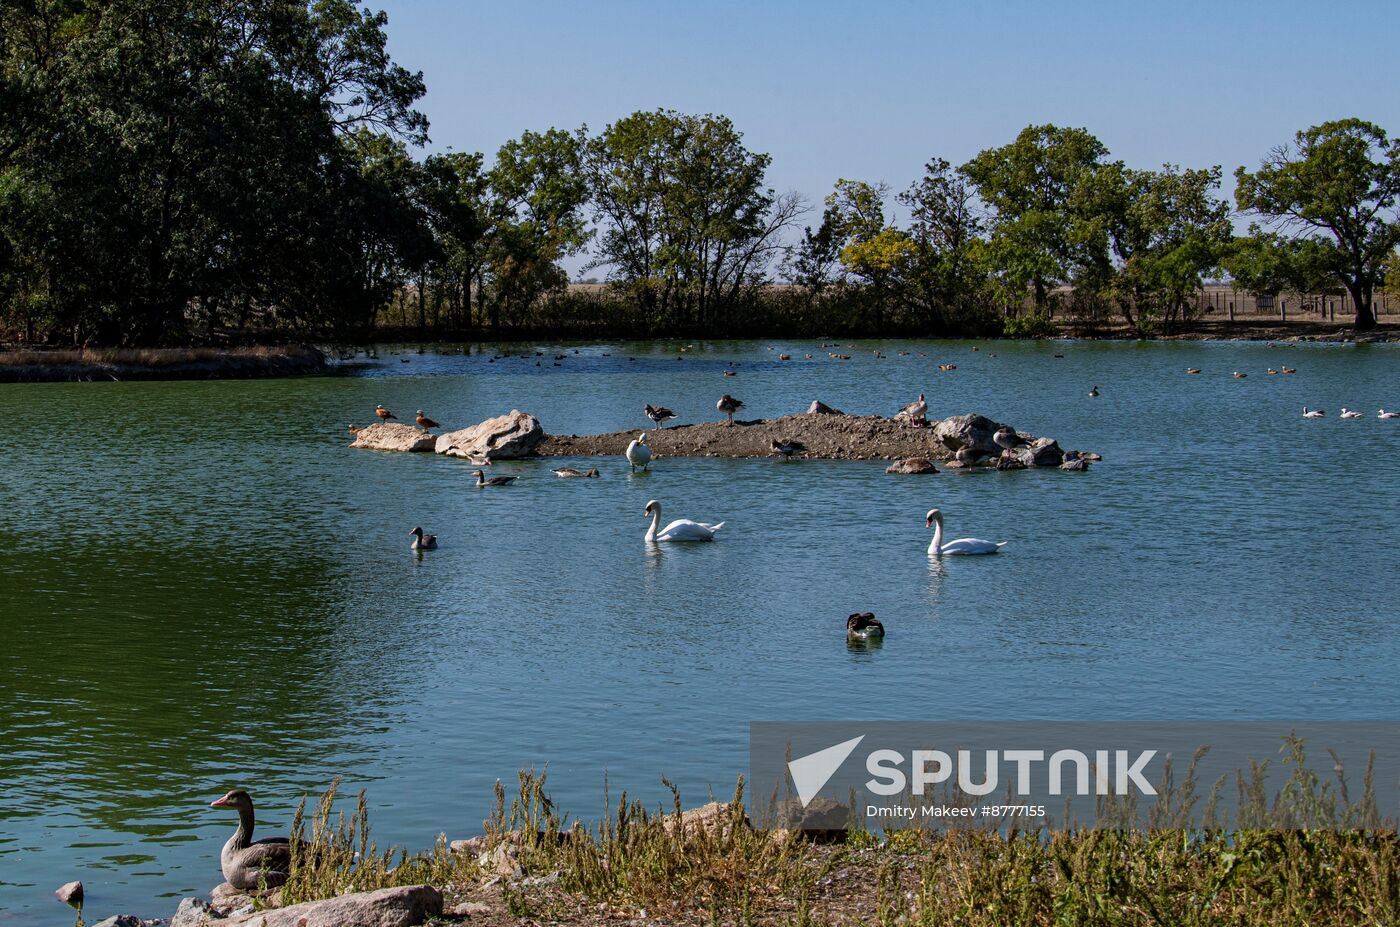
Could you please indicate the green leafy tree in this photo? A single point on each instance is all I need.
(1336, 185)
(945, 278)
(1029, 186)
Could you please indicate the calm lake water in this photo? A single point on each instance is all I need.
(202, 587)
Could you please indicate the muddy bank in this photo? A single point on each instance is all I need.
(823, 436)
(160, 364)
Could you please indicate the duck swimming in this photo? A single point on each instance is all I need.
(246, 864)
(481, 479)
(864, 626)
(1313, 413)
(422, 541)
(574, 473)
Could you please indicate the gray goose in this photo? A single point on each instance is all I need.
(247, 864)
(729, 405)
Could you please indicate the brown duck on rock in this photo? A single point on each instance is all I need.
(247, 864)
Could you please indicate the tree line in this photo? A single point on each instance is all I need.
(178, 171)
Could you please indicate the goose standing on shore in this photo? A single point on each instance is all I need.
(424, 422)
(729, 405)
(383, 413)
(917, 411)
(638, 454)
(422, 541)
(787, 448)
(965, 546)
(481, 479)
(246, 864)
(659, 415)
(1313, 413)
(682, 529)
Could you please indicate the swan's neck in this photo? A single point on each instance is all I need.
(655, 522)
(936, 546)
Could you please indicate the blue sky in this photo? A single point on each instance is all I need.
(872, 90)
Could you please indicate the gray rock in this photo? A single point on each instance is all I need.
(393, 436)
(912, 465)
(1076, 464)
(820, 408)
(505, 437)
(121, 920)
(389, 907)
(971, 430)
(1045, 452)
(472, 845)
(823, 819)
(1013, 459)
(194, 912)
(470, 909)
(70, 893)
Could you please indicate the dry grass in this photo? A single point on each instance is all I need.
(140, 357)
(540, 868)
(157, 363)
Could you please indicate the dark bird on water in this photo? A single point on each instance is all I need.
(864, 626)
(481, 479)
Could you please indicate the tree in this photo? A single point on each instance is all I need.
(686, 224)
(1337, 184)
(1029, 186)
(944, 277)
(453, 192)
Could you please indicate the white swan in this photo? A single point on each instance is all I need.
(682, 529)
(1313, 413)
(969, 546)
(1384, 414)
(1349, 413)
(638, 454)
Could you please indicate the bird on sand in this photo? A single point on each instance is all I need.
(729, 405)
(424, 422)
(787, 448)
(917, 412)
(660, 415)
(481, 479)
(383, 413)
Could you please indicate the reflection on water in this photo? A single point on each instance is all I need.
(201, 587)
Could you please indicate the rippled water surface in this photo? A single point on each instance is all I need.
(202, 587)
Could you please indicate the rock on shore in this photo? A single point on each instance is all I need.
(393, 436)
(830, 436)
(505, 437)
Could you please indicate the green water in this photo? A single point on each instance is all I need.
(202, 587)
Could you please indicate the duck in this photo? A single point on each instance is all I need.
(1272, 372)
(968, 456)
(424, 422)
(1193, 369)
(965, 546)
(383, 413)
(1006, 438)
(864, 626)
(731, 373)
(638, 454)
(682, 529)
(353, 429)
(422, 541)
(1289, 369)
(1093, 391)
(659, 415)
(1384, 414)
(1349, 413)
(784, 357)
(481, 479)
(916, 411)
(574, 473)
(729, 405)
(786, 447)
(1313, 413)
(246, 864)
(947, 367)
(1239, 376)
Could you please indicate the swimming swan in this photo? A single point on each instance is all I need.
(934, 519)
(682, 529)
